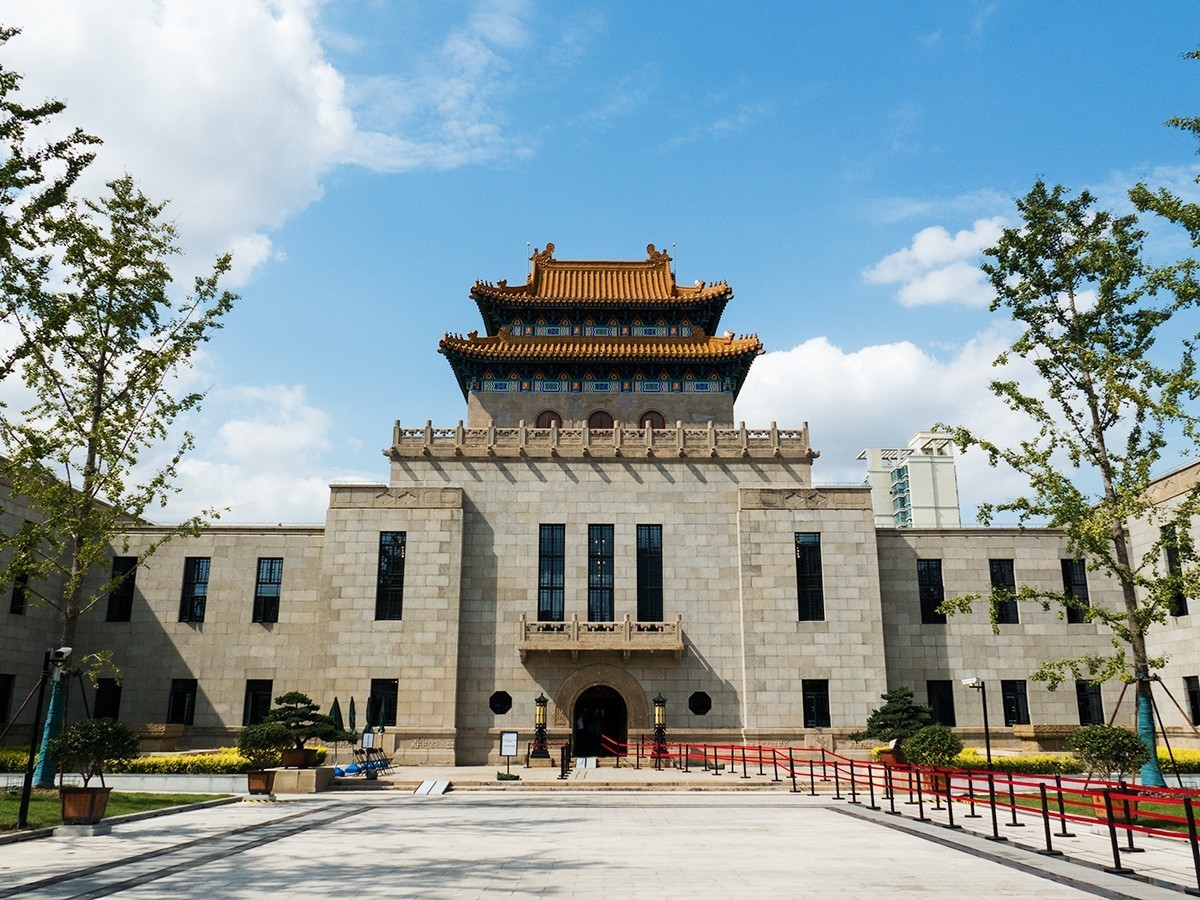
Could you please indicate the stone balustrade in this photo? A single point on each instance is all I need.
(626, 636)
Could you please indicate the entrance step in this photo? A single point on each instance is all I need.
(432, 788)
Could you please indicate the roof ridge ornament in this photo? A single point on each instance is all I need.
(543, 255)
(653, 255)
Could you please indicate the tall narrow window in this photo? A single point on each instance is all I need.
(385, 692)
(6, 693)
(1091, 706)
(1016, 704)
(1177, 605)
(1004, 591)
(389, 586)
(809, 590)
(257, 701)
(120, 598)
(181, 703)
(600, 573)
(929, 586)
(551, 560)
(267, 586)
(941, 701)
(1191, 685)
(20, 594)
(194, 596)
(815, 697)
(1074, 572)
(108, 699)
(649, 573)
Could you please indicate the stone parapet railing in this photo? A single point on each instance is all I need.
(626, 636)
(680, 442)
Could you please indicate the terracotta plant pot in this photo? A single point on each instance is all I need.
(1118, 810)
(299, 759)
(83, 805)
(262, 782)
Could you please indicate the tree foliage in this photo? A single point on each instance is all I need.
(297, 712)
(85, 746)
(897, 720)
(933, 745)
(1107, 751)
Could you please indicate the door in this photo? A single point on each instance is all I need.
(599, 713)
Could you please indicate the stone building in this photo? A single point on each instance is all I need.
(600, 531)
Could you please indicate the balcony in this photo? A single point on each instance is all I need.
(625, 636)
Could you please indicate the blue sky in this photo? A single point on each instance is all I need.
(841, 165)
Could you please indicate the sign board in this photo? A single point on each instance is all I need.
(508, 743)
(368, 740)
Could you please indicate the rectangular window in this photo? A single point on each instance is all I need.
(809, 591)
(551, 561)
(1177, 605)
(267, 585)
(6, 694)
(385, 691)
(1191, 684)
(120, 598)
(194, 596)
(257, 702)
(941, 701)
(389, 585)
(649, 573)
(1004, 585)
(181, 704)
(108, 699)
(600, 573)
(1016, 704)
(1074, 572)
(815, 696)
(20, 593)
(929, 585)
(1091, 706)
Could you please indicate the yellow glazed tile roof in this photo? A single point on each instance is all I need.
(690, 349)
(570, 281)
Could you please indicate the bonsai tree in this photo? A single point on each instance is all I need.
(260, 744)
(298, 714)
(85, 747)
(897, 720)
(934, 745)
(1107, 750)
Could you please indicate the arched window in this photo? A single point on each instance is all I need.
(548, 419)
(652, 419)
(600, 419)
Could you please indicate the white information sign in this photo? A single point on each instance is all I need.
(508, 743)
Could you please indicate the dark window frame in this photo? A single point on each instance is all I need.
(1177, 602)
(810, 588)
(389, 579)
(181, 701)
(1191, 686)
(552, 551)
(120, 597)
(1074, 574)
(601, 606)
(940, 694)
(268, 586)
(1003, 577)
(649, 573)
(193, 596)
(107, 702)
(1014, 698)
(19, 602)
(1090, 702)
(7, 684)
(388, 690)
(256, 700)
(814, 698)
(931, 591)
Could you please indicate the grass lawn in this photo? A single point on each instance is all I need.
(1147, 814)
(45, 809)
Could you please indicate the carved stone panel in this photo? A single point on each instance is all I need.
(378, 496)
(805, 498)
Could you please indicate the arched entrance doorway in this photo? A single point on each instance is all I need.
(599, 712)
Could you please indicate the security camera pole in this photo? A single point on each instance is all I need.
(58, 656)
(978, 684)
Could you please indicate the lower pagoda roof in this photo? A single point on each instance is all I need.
(506, 348)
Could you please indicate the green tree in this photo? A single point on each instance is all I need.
(897, 720)
(107, 344)
(1107, 397)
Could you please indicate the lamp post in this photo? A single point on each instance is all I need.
(55, 658)
(660, 729)
(540, 750)
(978, 684)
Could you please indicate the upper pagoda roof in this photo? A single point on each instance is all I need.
(559, 283)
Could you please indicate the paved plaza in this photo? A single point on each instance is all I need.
(568, 843)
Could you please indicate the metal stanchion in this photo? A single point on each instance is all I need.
(920, 801)
(638, 763)
(1116, 868)
(971, 796)
(995, 836)
(910, 801)
(716, 769)
(1012, 806)
(853, 785)
(824, 773)
(744, 775)
(891, 791)
(871, 786)
(760, 769)
(687, 753)
(1062, 813)
(775, 765)
(1128, 823)
(935, 782)
(950, 803)
(1190, 813)
(812, 781)
(1049, 851)
(792, 769)
(837, 784)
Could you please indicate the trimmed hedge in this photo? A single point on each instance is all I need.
(1188, 762)
(225, 761)
(13, 759)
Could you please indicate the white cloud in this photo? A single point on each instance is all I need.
(939, 267)
(879, 396)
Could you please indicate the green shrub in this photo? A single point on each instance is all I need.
(933, 745)
(1188, 761)
(1107, 751)
(298, 714)
(86, 746)
(225, 761)
(261, 744)
(897, 720)
(13, 759)
(1028, 764)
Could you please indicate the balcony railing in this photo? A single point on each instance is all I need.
(626, 636)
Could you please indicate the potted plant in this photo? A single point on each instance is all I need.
(934, 747)
(261, 745)
(894, 722)
(1109, 752)
(85, 747)
(297, 713)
